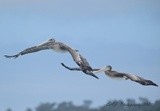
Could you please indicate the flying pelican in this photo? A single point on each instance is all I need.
(59, 47)
(126, 76)
(114, 74)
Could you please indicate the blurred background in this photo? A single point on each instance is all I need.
(121, 33)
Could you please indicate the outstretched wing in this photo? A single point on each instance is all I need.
(49, 44)
(79, 69)
(28, 50)
(70, 68)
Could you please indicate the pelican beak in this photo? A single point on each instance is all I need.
(103, 69)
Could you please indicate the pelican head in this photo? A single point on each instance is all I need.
(47, 41)
(109, 67)
(51, 40)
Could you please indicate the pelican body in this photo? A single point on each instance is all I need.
(114, 74)
(127, 76)
(58, 47)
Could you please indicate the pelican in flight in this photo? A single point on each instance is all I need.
(59, 47)
(114, 74)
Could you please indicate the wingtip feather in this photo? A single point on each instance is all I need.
(14, 56)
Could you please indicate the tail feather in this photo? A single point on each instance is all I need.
(91, 74)
(94, 76)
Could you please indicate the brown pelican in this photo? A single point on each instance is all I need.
(114, 74)
(60, 47)
(126, 76)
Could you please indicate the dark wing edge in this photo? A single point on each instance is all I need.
(78, 69)
(70, 68)
(140, 80)
(27, 51)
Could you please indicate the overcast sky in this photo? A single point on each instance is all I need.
(121, 33)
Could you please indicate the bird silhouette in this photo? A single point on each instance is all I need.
(58, 47)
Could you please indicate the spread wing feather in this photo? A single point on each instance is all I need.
(27, 51)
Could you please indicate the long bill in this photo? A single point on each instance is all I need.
(103, 69)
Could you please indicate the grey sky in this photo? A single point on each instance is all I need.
(122, 33)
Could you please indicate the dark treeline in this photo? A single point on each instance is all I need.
(113, 105)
